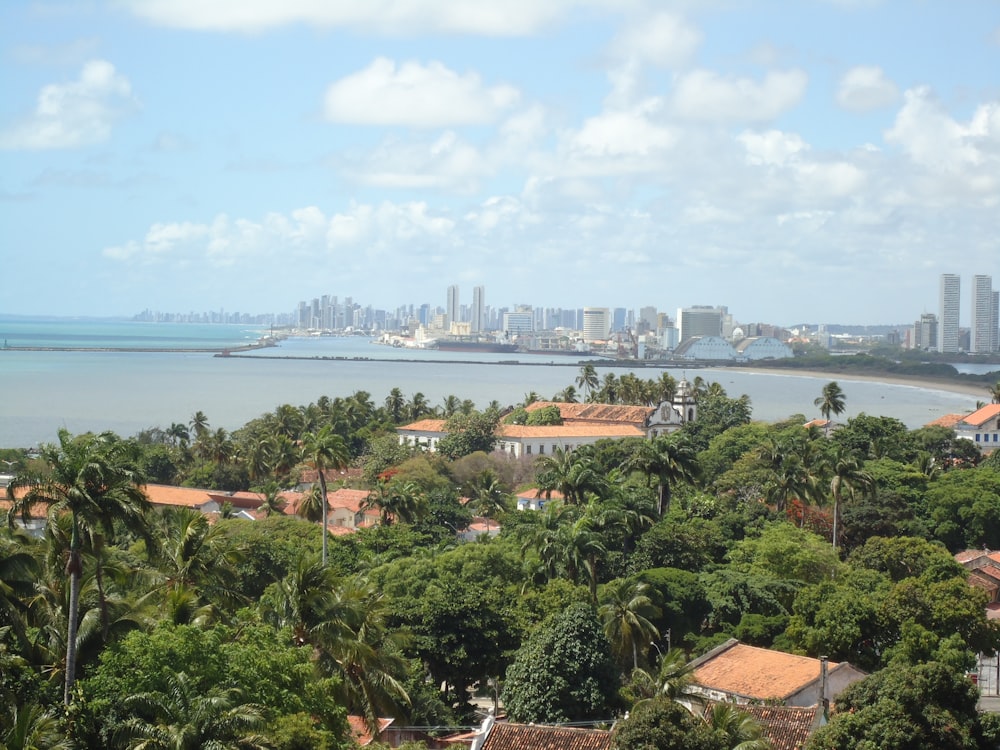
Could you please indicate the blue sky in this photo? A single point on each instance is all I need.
(820, 160)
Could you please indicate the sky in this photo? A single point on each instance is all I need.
(815, 160)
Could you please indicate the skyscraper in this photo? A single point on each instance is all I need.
(478, 322)
(452, 310)
(983, 328)
(948, 320)
(596, 323)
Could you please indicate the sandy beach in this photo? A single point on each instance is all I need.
(979, 391)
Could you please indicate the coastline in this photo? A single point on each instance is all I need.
(980, 392)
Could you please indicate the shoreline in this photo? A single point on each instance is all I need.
(980, 392)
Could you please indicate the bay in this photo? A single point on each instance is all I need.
(128, 391)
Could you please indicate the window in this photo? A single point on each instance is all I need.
(527, 448)
(541, 450)
(554, 447)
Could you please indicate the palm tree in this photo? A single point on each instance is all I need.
(832, 401)
(625, 609)
(587, 380)
(199, 424)
(572, 474)
(273, 502)
(31, 727)
(18, 570)
(397, 500)
(668, 458)
(395, 405)
(848, 474)
(488, 495)
(995, 393)
(183, 718)
(324, 450)
(418, 407)
(742, 732)
(450, 405)
(94, 479)
(567, 395)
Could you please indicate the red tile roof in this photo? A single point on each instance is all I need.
(424, 425)
(948, 420)
(571, 430)
(360, 731)
(614, 413)
(786, 727)
(504, 736)
(757, 673)
(980, 416)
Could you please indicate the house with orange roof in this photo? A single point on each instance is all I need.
(535, 499)
(362, 734)
(501, 735)
(785, 727)
(737, 673)
(982, 427)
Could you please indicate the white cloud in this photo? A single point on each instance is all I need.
(444, 162)
(303, 234)
(415, 95)
(706, 95)
(485, 17)
(865, 88)
(932, 138)
(70, 115)
(771, 147)
(616, 134)
(662, 38)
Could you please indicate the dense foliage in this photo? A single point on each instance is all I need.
(122, 623)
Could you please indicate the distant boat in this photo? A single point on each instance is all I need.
(481, 346)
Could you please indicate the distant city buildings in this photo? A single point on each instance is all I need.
(950, 297)
(985, 325)
(596, 324)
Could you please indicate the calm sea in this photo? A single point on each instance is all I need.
(41, 391)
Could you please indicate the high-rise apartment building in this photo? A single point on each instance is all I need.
(452, 310)
(948, 319)
(521, 321)
(700, 320)
(596, 323)
(983, 329)
(477, 321)
(925, 332)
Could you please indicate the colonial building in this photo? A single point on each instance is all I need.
(582, 424)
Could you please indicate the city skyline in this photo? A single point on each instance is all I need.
(813, 161)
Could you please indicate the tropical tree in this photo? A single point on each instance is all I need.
(489, 497)
(324, 450)
(831, 401)
(667, 458)
(184, 718)
(573, 474)
(848, 475)
(995, 393)
(739, 729)
(588, 381)
(395, 405)
(93, 479)
(31, 727)
(624, 611)
(397, 500)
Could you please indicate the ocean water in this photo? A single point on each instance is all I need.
(42, 391)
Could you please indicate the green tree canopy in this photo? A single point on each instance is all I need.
(564, 672)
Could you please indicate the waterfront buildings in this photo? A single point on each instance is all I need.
(478, 322)
(948, 321)
(700, 320)
(984, 327)
(596, 324)
(925, 333)
(453, 310)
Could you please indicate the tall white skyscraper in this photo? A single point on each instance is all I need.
(478, 324)
(452, 310)
(983, 328)
(948, 320)
(596, 323)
